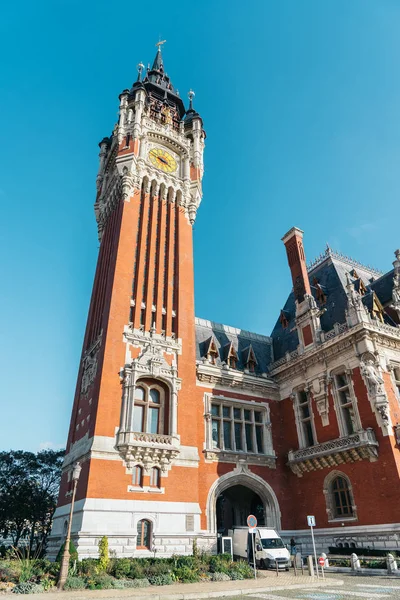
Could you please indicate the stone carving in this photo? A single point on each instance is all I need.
(376, 393)
(396, 284)
(358, 446)
(374, 380)
(89, 365)
(319, 388)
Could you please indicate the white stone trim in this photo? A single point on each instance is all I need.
(241, 475)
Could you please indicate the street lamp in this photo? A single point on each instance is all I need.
(65, 556)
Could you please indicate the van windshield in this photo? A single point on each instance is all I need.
(271, 543)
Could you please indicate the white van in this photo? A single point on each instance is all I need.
(269, 549)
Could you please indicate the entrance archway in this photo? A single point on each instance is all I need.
(236, 493)
(234, 505)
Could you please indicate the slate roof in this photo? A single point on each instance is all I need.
(330, 272)
(224, 335)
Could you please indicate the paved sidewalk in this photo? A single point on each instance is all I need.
(195, 591)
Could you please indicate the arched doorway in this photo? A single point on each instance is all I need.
(234, 505)
(237, 494)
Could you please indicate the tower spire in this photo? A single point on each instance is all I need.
(158, 64)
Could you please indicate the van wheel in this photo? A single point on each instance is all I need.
(264, 564)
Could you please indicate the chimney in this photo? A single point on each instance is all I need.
(293, 241)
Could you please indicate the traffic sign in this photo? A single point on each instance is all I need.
(321, 561)
(311, 521)
(251, 521)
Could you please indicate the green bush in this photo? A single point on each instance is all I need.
(220, 563)
(164, 579)
(241, 570)
(136, 571)
(73, 553)
(88, 566)
(121, 568)
(27, 587)
(219, 577)
(186, 574)
(102, 581)
(74, 583)
(104, 558)
(9, 571)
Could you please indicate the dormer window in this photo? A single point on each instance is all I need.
(319, 292)
(212, 351)
(250, 360)
(231, 356)
(377, 308)
(283, 320)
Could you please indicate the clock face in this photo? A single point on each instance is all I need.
(162, 160)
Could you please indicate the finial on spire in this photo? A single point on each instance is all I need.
(140, 68)
(159, 44)
(191, 95)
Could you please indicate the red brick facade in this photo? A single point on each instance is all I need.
(228, 414)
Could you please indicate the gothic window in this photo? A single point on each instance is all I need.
(346, 407)
(305, 419)
(137, 476)
(238, 428)
(155, 477)
(143, 539)
(148, 409)
(339, 497)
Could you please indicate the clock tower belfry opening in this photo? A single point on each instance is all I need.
(127, 427)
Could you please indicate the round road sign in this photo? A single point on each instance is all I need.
(251, 521)
(321, 561)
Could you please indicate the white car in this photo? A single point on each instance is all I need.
(269, 548)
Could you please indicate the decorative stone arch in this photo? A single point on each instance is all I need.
(329, 500)
(242, 476)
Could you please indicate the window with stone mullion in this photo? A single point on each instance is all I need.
(345, 404)
(237, 429)
(396, 376)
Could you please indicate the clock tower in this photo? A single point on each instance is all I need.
(134, 426)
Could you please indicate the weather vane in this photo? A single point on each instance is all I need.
(160, 43)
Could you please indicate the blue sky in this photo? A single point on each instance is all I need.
(300, 102)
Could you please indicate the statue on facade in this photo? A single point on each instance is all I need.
(374, 380)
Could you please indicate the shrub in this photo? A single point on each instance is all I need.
(136, 571)
(186, 574)
(74, 583)
(219, 563)
(121, 568)
(164, 579)
(27, 587)
(155, 567)
(219, 577)
(103, 553)
(241, 570)
(9, 571)
(88, 566)
(73, 554)
(102, 581)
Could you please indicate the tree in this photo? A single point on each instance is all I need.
(28, 494)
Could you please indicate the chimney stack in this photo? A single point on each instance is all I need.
(293, 241)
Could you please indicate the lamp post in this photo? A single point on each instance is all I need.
(65, 556)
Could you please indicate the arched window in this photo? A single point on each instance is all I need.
(155, 477)
(143, 540)
(148, 409)
(137, 478)
(341, 498)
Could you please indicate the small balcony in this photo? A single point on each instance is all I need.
(352, 448)
(153, 449)
(232, 456)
